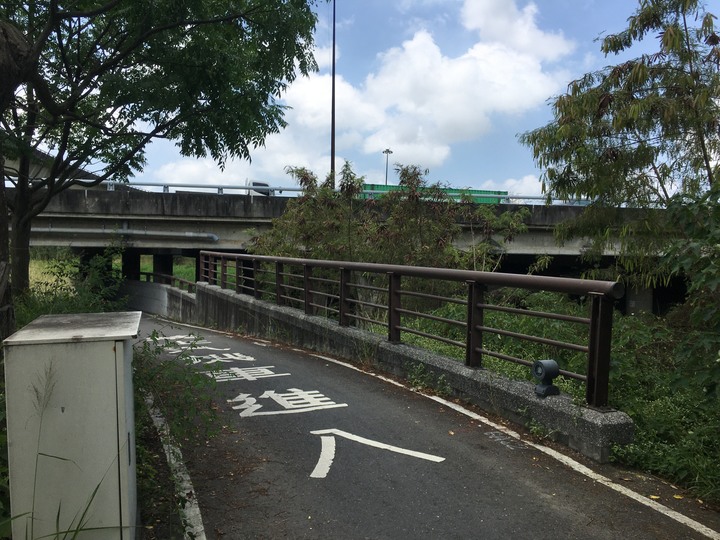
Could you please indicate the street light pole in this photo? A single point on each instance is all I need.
(387, 153)
(332, 107)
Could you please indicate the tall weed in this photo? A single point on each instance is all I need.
(183, 394)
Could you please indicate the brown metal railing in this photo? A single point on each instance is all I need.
(375, 295)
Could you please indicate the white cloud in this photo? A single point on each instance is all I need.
(527, 185)
(419, 100)
(501, 22)
(432, 100)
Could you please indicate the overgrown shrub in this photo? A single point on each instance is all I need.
(180, 391)
(170, 383)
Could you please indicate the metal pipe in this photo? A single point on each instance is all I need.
(126, 232)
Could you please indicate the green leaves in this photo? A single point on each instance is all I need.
(104, 83)
(93, 83)
(635, 134)
(417, 225)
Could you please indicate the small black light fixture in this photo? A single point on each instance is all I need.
(545, 371)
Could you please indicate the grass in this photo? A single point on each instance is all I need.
(183, 267)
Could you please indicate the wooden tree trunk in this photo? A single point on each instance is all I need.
(20, 252)
(7, 312)
(15, 63)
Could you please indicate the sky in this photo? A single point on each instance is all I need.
(446, 85)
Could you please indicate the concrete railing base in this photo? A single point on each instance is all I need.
(589, 431)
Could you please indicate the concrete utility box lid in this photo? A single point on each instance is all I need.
(78, 327)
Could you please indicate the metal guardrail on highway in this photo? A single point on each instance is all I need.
(396, 297)
(276, 190)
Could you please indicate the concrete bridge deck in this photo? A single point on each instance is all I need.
(95, 218)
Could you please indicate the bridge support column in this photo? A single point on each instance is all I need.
(639, 300)
(131, 264)
(163, 264)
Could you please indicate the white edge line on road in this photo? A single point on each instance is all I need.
(183, 485)
(565, 460)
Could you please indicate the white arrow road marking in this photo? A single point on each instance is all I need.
(327, 455)
(327, 451)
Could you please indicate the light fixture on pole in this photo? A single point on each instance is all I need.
(387, 153)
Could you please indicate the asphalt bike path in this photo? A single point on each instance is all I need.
(315, 448)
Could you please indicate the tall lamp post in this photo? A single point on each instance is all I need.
(387, 153)
(332, 106)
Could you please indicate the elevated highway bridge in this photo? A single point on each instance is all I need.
(184, 220)
(168, 224)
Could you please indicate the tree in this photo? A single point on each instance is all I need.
(415, 225)
(639, 134)
(321, 223)
(646, 134)
(94, 82)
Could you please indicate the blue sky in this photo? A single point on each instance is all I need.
(445, 84)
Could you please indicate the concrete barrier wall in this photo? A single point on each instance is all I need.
(591, 432)
(160, 299)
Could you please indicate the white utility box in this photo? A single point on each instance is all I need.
(70, 426)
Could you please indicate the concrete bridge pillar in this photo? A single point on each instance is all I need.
(639, 300)
(163, 264)
(131, 264)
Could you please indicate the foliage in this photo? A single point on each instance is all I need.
(165, 379)
(416, 225)
(643, 135)
(321, 223)
(698, 319)
(74, 288)
(651, 379)
(96, 82)
(638, 134)
(421, 378)
(676, 423)
(180, 391)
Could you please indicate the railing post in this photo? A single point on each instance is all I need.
(475, 315)
(596, 391)
(278, 283)
(212, 270)
(256, 274)
(393, 307)
(200, 267)
(307, 289)
(239, 274)
(223, 272)
(344, 293)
